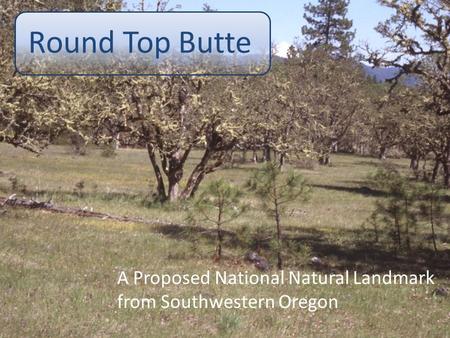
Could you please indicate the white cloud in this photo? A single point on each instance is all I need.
(282, 48)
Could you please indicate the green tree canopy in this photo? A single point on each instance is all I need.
(328, 26)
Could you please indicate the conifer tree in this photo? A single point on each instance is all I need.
(276, 191)
(328, 26)
(219, 204)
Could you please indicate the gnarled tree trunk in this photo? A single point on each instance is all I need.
(160, 189)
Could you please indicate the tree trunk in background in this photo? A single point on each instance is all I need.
(173, 166)
(425, 173)
(414, 166)
(445, 160)
(267, 154)
(160, 189)
(335, 147)
(281, 160)
(197, 175)
(255, 156)
(382, 153)
(435, 170)
(230, 159)
(446, 167)
(244, 156)
(78, 144)
(324, 159)
(414, 163)
(174, 185)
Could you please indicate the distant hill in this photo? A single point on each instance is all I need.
(383, 74)
(277, 59)
(379, 74)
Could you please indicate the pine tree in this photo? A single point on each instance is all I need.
(276, 191)
(219, 204)
(328, 26)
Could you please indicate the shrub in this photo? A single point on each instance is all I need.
(17, 185)
(108, 150)
(79, 187)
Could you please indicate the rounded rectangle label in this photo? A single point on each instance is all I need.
(143, 43)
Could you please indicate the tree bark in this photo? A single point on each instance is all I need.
(435, 171)
(160, 189)
(446, 167)
(174, 185)
(335, 147)
(244, 156)
(324, 159)
(215, 148)
(267, 154)
(278, 222)
(414, 163)
(174, 172)
(281, 160)
(219, 235)
(382, 153)
(255, 156)
(197, 175)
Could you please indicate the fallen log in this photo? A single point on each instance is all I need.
(14, 201)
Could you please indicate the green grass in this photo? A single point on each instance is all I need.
(128, 179)
(58, 273)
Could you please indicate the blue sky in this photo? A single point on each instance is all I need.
(287, 16)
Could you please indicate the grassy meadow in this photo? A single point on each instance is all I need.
(58, 272)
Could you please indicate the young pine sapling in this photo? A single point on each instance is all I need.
(219, 204)
(398, 209)
(432, 208)
(276, 191)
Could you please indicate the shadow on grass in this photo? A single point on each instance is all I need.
(369, 163)
(356, 252)
(366, 191)
(340, 249)
(184, 232)
(372, 162)
(353, 252)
